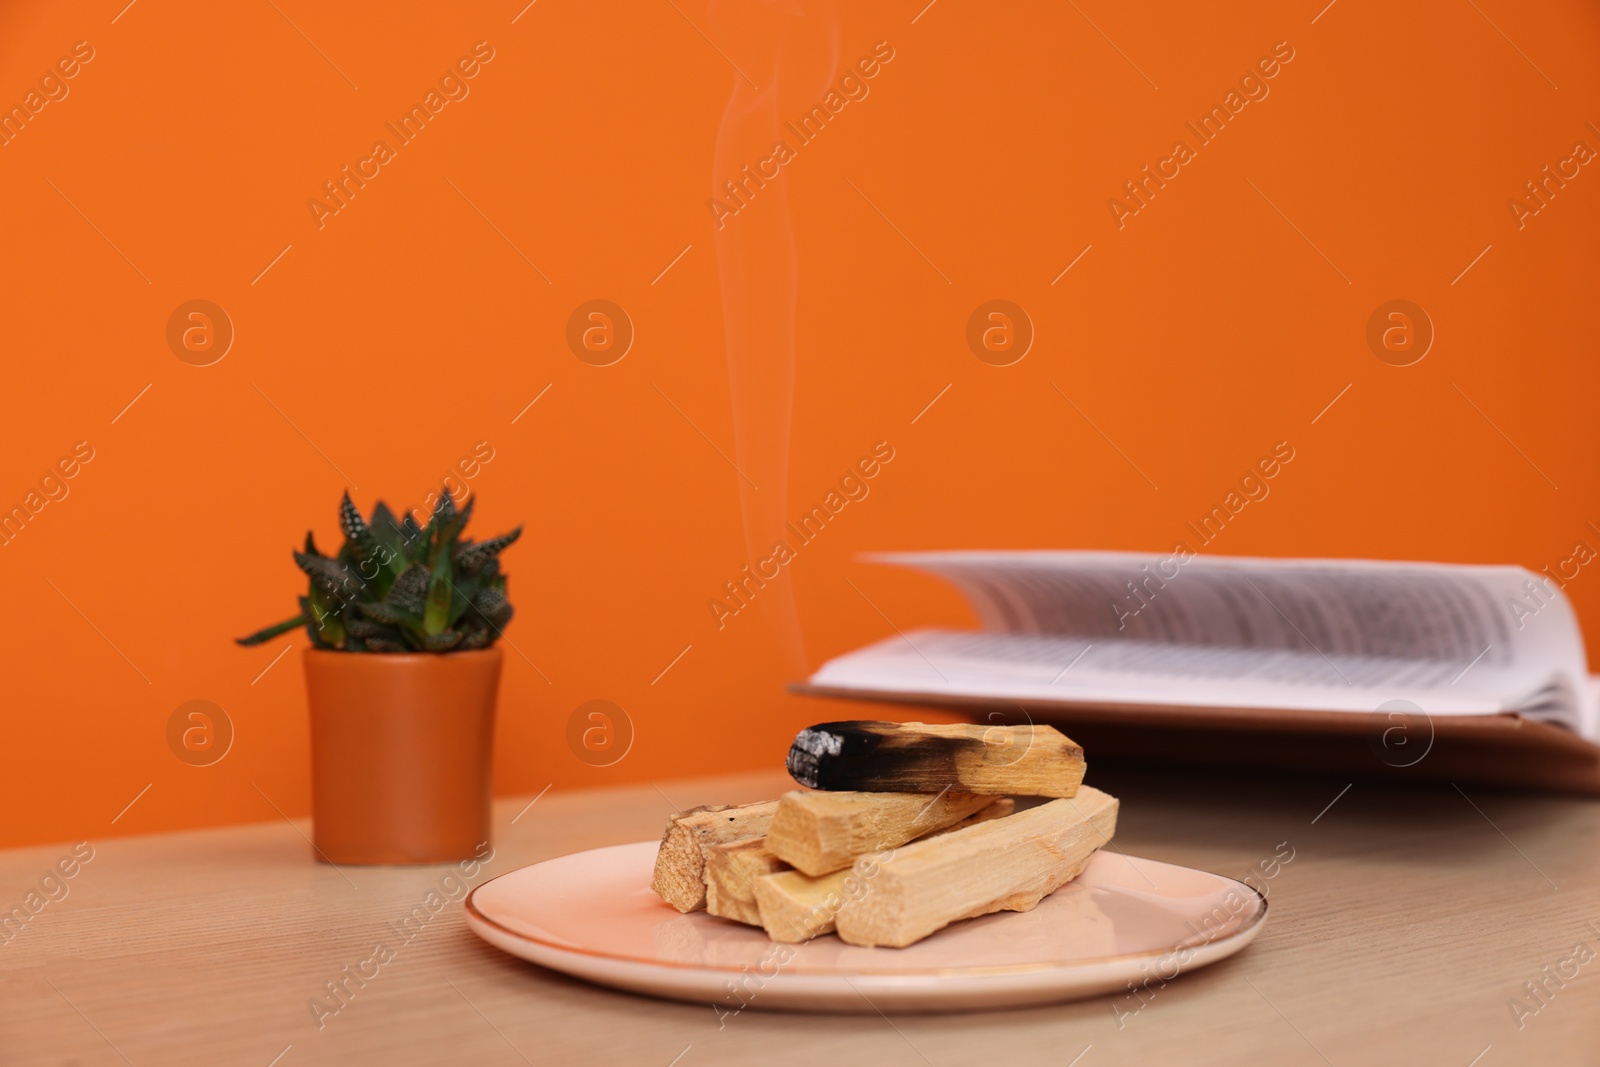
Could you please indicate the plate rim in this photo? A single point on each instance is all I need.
(1247, 932)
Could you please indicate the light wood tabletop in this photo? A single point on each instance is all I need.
(1403, 930)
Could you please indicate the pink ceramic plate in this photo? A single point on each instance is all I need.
(592, 915)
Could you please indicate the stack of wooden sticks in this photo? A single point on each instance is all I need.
(903, 829)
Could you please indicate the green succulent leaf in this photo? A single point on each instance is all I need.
(262, 636)
(364, 551)
(382, 611)
(382, 517)
(474, 556)
(313, 631)
(391, 535)
(452, 530)
(334, 576)
(367, 628)
(350, 520)
(444, 512)
(442, 641)
(410, 591)
(436, 614)
(491, 603)
(412, 533)
(322, 618)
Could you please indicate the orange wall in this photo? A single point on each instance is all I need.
(1217, 321)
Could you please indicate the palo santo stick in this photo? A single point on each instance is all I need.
(680, 863)
(1006, 865)
(998, 808)
(731, 874)
(822, 832)
(916, 757)
(796, 907)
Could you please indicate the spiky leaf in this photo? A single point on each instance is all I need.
(313, 630)
(335, 576)
(491, 603)
(350, 520)
(436, 613)
(475, 556)
(261, 636)
(367, 629)
(322, 617)
(442, 641)
(377, 558)
(389, 614)
(382, 517)
(390, 534)
(412, 533)
(444, 511)
(410, 591)
(452, 530)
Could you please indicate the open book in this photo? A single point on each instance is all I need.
(1123, 630)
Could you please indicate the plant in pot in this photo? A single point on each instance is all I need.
(401, 680)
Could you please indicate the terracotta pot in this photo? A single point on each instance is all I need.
(401, 754)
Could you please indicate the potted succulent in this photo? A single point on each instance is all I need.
(401, 678)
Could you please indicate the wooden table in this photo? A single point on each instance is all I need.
(1401, 931)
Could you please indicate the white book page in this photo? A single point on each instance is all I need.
(954, 664)
(1324, 634)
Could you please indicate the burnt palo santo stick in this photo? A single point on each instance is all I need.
(914, 757)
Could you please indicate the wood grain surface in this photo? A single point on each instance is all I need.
(1403, 925)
